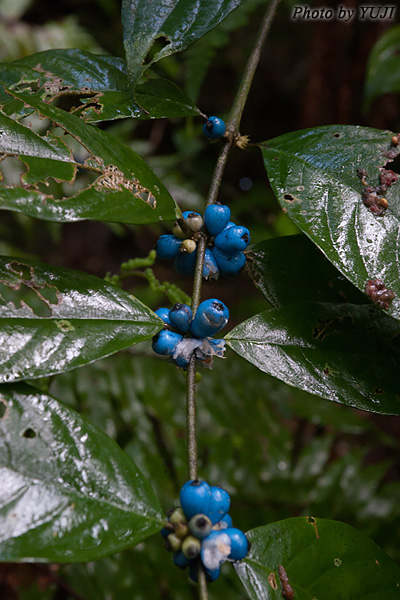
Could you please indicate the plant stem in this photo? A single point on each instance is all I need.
(191, 419)
(203, 592)
(232, 129)
(250, 69)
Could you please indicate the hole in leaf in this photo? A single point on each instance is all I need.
(311, 520)
(276, 158)
(3, 408)
(289, 197)
(395, 165)
(29, 433)
(337, 135)
(21, 295)
(159, 44)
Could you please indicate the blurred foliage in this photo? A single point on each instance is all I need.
(278, 451)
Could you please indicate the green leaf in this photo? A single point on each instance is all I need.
(322, 560)
(290, 269)
(314, 174)
(179, 22)
(102, 82)
(341, 352)
(69, 493)
(53, 319)
(383, 68)
(124, 189)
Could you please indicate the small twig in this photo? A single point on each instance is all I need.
(203, 592)
(191, 419)
(232, 130)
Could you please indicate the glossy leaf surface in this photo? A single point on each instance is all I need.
(383, 68)
(102, 82)
(290, 269)
(322, 559)
(314, 174)
(124, 189)
(178, 22)
(69, 493)
(342, 352)
(53, 319)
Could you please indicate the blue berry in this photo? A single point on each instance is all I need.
(211, 316)
(185, 263)
(165, 532)
(180, 560)
(211, 574)
(214, 128)
(229, 264)
(163, 313)
(224, 523)
(167, 246)
(233, 239)
(210, 268)
(216, 217)
(195, 498)
(239, 543)
(180, 317)
(166, 341)
(220, 503)
(181, 361)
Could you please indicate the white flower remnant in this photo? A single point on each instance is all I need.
(215, 550)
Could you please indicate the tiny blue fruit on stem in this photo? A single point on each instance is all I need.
(220, 503)
(185, 263)
(233, 239)
(211, 574)
(195, 498)
(211, 316)
(239, 543)
(180, 317)
(216, 217)
(214, 128)
(180, 560)
(163, 313)
(167, 246)
(224, 523)
(166, 341)
(210, 267)
(229, 264)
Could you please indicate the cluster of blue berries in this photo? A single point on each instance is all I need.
(200, 530)
(226, 242)
(214, 128)
(184, 335)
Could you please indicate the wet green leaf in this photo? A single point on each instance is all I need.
(341, 352)
(123, 188)
(321, 560)
(69, 493)
(53, 319)
(315, 176)
(102, 82)
(290, 269)
(383, 68)
(178, 22)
